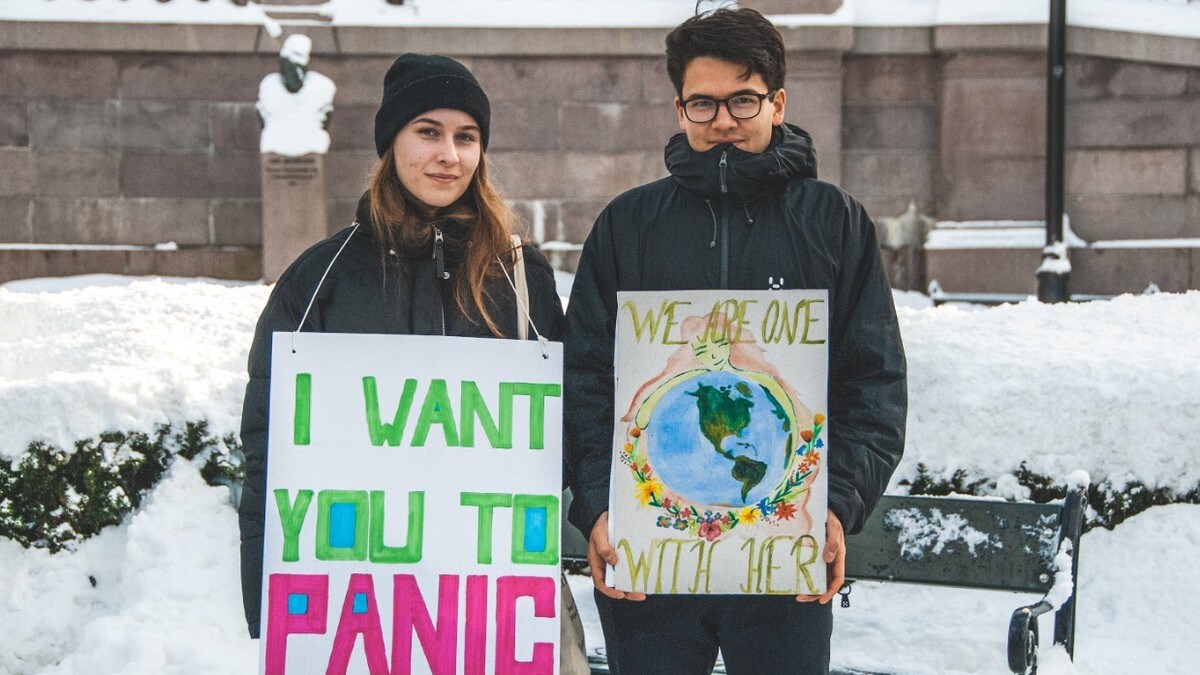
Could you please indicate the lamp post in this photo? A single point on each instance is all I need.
(1055, 269)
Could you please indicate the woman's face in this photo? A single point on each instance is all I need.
(437, 154)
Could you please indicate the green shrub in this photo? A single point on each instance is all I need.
(53, 499)
(1109, 503)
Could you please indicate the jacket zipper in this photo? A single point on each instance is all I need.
(724, 222)
(440, 267)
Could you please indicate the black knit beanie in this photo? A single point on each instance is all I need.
(416, 83)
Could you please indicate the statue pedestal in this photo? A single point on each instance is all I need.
(293, 209)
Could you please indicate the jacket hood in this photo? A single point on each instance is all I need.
(748, 175)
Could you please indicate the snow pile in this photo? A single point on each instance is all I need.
(122, 358)
(918, 533)
(1106, 387)
(158, 595)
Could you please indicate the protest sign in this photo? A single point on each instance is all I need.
(719, 453)
(412, 520)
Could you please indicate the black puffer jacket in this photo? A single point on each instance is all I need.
(751, 222)
(357, 297)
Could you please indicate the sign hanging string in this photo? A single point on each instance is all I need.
(316, 290)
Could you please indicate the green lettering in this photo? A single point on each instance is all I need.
(549, 534)
(301, 433)
(472, 406)
(291, 519)
(638, 567)
(651, 321)
(810, 542)
(379, 431)
(357, 550)
(537, 394)
(485, 502)
(436, 410)
(809, 320)
(414, 540)
(671, 323)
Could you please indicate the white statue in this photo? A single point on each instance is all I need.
(294, 104)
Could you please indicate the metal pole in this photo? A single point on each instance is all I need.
(1055, 269)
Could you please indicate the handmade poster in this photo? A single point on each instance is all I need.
(720, 443)
(412, 521)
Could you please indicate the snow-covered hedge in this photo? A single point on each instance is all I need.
(54, 498)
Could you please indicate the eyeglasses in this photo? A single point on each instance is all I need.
(740, 106)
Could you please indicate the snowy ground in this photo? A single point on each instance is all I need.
(1107, 387)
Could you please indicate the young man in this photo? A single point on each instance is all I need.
(742, 209)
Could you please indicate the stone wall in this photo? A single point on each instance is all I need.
(130, 143)
(1133, 134)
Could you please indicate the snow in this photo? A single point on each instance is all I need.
(951, 234)
(1078, 480)
(132, 11)
(920, 534)
(1104, 387)
(1108, 388)
(1161, 17)
(1055, 260)
(1146, 243)
(297, 49)
(78, 361)
(1060, 592)
(165, 599)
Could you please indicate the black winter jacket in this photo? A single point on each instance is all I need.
(358, 297)
(726, 218)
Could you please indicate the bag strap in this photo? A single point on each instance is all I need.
(521, 285)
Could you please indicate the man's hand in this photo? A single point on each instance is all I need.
(835, 560)
(600, 552)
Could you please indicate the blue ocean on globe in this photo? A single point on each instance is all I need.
(742, 415)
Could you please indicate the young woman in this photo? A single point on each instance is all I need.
(427, 254)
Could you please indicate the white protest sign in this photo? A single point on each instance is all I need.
(718, 480)
(412, 520)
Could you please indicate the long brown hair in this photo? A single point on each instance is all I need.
(402, 224)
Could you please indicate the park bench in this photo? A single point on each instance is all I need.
(984, 544)
(966, 543)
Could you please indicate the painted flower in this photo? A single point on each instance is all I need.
(635, 432)
(749, 514)
(667, 503)
(680, 524)
(785, 511)
(818, 419)
(664, 521)
(648, 490)
(806, 434)
(710, 530)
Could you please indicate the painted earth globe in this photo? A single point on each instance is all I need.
(719, 438)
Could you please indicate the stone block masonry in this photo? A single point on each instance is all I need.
(137, 136)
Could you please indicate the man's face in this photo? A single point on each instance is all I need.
(716, 79)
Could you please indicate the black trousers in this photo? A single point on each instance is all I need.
(680, 634)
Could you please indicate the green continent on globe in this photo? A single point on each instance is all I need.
(722, 416)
